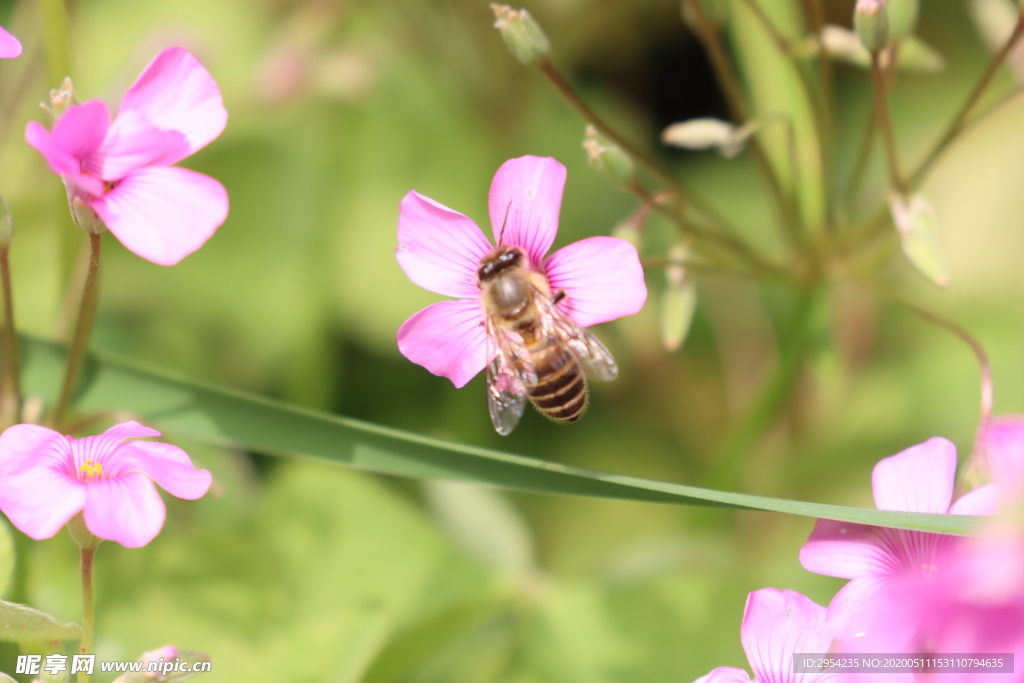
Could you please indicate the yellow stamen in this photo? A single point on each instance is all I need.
(91, 468)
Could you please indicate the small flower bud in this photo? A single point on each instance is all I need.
(678, 301)
(6, 224)
(608, 158)
(61, 98)
(871, 20)
(916, 224)
(523, 36)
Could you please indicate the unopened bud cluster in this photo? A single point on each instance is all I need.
(523, 36)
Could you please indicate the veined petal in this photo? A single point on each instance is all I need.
(983, 500)
(847, 550)
(602, 278)
(75, 137)
(850, 613)
(132, 142)
(40, 500)
(439, 249)
(525, 200)
(176, 92)
(163, 213)
(919, 479)
(447, 338)
(26, 446)
(777, 623)
(168, 466)
(9, 45)
(126, 509)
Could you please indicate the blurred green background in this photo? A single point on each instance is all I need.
(294, 571)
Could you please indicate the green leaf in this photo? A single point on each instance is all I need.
(19, 623)
(225, 417)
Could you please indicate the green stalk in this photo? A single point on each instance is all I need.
(773, 399)
(58, 44)
(83, 329)
(885, 124)
(88, 607)
(10, 400)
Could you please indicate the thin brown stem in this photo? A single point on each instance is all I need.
(88, 606)
(960, 121)
(10, 394)
(984, 367)
(885, 124)
(83, 329)
(736, 102)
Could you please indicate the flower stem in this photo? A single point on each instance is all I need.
(88, 607)
(58, 52)
(83, 329)
(976, 462)
(685, 195)
(885, 124)
(10, 391)
(960, 120)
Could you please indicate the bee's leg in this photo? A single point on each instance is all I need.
(559, 295)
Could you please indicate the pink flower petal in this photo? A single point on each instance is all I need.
(164, 213)
(130, 430)
(845, 550)
(777, 623)
(439, 249)
(126, 509)
(9, 45)
(447, 338)
(131, 143)
(74, 139)
(602, 278)
(176, 92)
(919, 479)
(983, 500)
(40, 500)
(725, 674)
(168, 466)
(527, 190)
(849, 612)
(1004, 449)
(24, 446)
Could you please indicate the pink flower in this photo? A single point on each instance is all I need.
(440, 250)
(920, 479)
(777, 624)
(9, 45)
(123, 170)
(46, 479)
(1004, 453)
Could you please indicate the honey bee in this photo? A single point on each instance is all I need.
(538, 352)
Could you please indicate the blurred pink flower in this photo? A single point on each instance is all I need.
(776, 624)
(123, 170)
(47, 478)
(920, 479)
(972, 603)
(1004, 453)
(440, 250)
(9, 45)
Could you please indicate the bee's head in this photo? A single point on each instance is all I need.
(499, 260)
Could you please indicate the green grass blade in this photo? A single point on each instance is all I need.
(182, 407)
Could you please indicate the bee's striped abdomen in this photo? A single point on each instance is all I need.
(560, 391)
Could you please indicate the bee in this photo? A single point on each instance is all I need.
(538, 352)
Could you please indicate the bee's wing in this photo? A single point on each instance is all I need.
(596, 358)
(507, 373)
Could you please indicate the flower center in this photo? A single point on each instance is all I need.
(92, 469)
